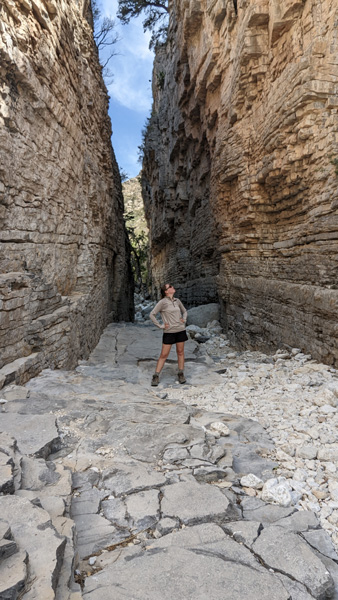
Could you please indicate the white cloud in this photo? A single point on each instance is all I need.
(131, 86)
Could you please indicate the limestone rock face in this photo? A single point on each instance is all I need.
(240, 171)
(63, 247)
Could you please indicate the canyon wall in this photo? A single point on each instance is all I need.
(240, 176)
(64, 254)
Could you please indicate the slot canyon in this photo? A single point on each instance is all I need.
(127, 472)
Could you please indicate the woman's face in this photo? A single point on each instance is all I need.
(169, 289)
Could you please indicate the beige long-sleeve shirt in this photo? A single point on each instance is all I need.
(171, 311)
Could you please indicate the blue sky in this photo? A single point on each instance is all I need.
(130, 89)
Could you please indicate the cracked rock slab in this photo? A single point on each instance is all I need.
(131, 478)
(15, 392)
(320, 540)
(245, 532)
(37, 473)
(7, 545)
(143, 509)
(147, 441)
(7, 478)
(302, 520)
(296, 590)
(278, 549)
(94, 533)
(114, 509)
(198, 563)
(88, 502)
(13, 576)
(33, 532)
(193, 502)
(246, 460)
(256, 510)
(35, 434)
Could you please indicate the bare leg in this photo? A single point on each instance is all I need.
(163, 357)
(180, 355)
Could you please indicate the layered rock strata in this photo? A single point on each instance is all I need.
(240, 169)
(64, 255)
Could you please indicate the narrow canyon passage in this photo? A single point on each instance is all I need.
(110, 488)
(188, 491)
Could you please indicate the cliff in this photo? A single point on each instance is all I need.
(64, 256)
(240, 169)
(133, 203)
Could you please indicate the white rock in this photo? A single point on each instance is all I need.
(194, 328)
(251, 481)
(328, 437)
(330, 467)
(325, 512)
(332, 484)
(92, 560)
(314, 506)
(311, 464)
(295, 351)
(333, 518)
(327, 409)
(333, 493)
(333, 387)
(325, 397)
(282, 456)
(277, 491)
(219, 428)
(297, 486)
(313, 433)
(330, 454)
(308, 452)
(296, 497)
(300, 475)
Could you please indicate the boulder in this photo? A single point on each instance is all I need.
(202, 315)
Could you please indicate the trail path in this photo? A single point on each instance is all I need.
(141, 489)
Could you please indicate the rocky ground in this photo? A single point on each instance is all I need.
(295, 399)
(225, 487)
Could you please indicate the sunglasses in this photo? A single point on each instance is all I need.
(169, 286)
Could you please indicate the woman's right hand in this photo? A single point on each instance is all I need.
(166, 326)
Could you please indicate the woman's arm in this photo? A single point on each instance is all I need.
(154, 312)
(183, 311)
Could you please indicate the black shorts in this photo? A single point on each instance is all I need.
(173, 338)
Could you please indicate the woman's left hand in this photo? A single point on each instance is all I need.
(182, 320)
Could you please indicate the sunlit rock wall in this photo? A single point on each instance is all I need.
(241, 167)
(63, 248)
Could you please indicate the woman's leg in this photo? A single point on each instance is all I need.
(180, 355)
(163, 357)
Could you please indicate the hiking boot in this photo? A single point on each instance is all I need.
(156, 379)
(181, 378)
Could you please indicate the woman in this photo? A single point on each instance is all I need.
(174, 317)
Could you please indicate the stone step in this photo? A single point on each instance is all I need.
(7, 549)
(35, 536)
(13, 576)
(7, 463)
(21, 370)
(35, 434)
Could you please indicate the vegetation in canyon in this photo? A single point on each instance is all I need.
(156, 17)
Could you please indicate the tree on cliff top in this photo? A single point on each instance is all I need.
(156, 14)
(105, 37)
